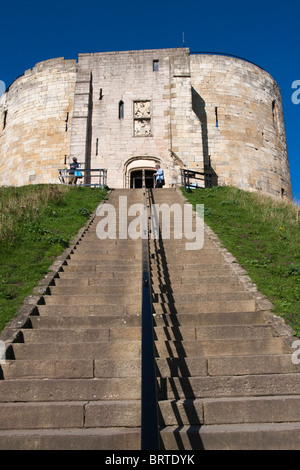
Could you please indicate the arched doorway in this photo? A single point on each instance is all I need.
(138, 168)
(138, 176)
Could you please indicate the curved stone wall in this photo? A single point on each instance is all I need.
(35, 122)
(243, 132)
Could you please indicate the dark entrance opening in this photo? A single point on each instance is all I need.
(136, 178)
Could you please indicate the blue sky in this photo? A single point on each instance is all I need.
(263, 31)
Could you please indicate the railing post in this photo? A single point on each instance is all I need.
(101, 174)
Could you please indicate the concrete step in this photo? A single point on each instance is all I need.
(70, 368)
(87, 350)
(71, 439)
(252, 409)
(85, 267)
(202, 257)
(254, 364)
(40, 368)
(99, 310)
(93, 274)
(42, 415)
(64, 390)
(229, 410)
(181, 366)
(102, 282)
(220, 347)
(202, 333)
(205, 306)
(180, 298)
(204, 288)
(88, 321)
(161, 245)
(209, 319)
(131, 367)
(81, 335)
(125, 332)
(225, 365)
(184, 281)
(111, 263)
(115, 289)
(120, 255)
(88, 300)
(228, 386)
(47, 415)
(181, 271)
(261, 436)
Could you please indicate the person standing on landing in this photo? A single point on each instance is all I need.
(159, 177)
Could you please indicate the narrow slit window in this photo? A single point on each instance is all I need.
(4, 119)
(275, 111)
(155, 65)
(66, 121)
(217, 119)
(97, 146)
(121, 110)
(100, 94)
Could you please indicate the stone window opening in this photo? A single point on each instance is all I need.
(4, 119)
(275, 115)
(121, 109)
(155, 65)
(216, 114)
(97, 146)
(275, 111)
(66, 121)
(100, 94)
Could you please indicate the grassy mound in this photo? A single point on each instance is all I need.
(264, 235)
(36, 224)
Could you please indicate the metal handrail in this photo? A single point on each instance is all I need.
(87, 175)
(149, 411)
(205, 177)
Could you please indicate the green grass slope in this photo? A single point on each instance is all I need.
(36, 224)
(264, 235)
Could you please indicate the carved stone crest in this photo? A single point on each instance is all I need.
(142, 118)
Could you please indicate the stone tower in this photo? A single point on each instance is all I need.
(127, 111)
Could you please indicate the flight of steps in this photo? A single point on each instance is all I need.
(225, 381)
(73, 382)
(73, 379)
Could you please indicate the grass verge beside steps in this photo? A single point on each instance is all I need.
(264, 236)
(37, 222)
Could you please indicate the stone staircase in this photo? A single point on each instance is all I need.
(74, 379)
(225, 378)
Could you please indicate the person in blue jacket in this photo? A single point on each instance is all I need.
(159, 177)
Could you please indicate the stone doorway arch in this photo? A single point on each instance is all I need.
(137, 167)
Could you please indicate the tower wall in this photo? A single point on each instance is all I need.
(134, 105)
(35, 122)
(244, 139)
